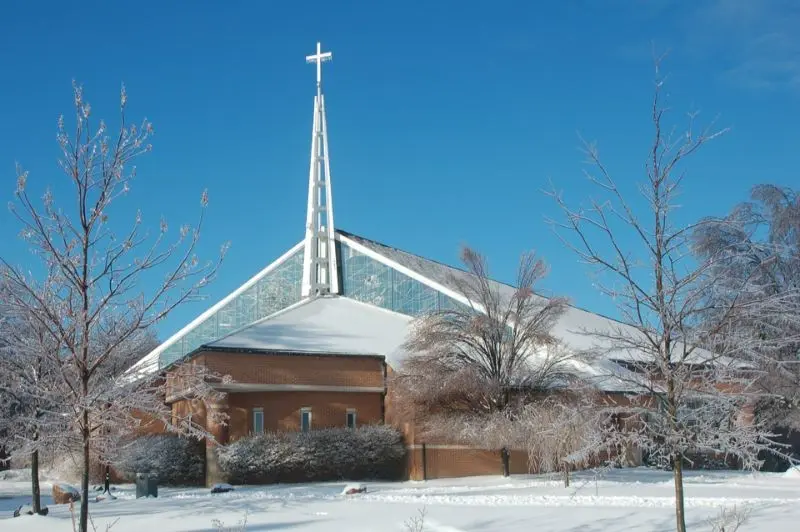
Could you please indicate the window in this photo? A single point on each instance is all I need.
(305, 419)
(351, 418)
(258, 421)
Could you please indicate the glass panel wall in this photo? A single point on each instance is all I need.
(275, 291)
(370, 281)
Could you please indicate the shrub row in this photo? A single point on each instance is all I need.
(174, 460)
(369, 452)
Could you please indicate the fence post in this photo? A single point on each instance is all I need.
(505, 458)
(424, 463)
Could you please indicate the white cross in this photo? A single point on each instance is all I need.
(318, 58)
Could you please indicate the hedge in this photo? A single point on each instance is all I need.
(174, 460)
(369, 452)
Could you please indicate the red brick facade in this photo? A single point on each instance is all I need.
(301, 369)
(282, 410)
(282, 386)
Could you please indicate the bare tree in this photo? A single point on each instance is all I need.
(91, 299)
(690, 400)
(472, 361)
(31, 423)
(760, 238)
(729, 519)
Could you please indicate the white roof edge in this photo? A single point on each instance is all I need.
(407, 271)
(211, 310)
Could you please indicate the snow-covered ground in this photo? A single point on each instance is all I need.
(622, 500)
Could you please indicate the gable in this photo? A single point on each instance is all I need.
(325, 325)
(274, 288)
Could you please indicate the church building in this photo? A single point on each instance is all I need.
(310, 339)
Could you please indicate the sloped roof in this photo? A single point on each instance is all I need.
(340, 325)
(332, 325)
(577, 328)
(151, 362)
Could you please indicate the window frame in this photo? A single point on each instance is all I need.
(351, 412)
(303, 411)
(256, 411)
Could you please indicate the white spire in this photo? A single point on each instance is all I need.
(320, 275)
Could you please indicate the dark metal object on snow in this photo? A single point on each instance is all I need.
(146, 485)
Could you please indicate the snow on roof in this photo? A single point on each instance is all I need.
(325, 325)
(577, 328)
(150, 363)
(340, 325)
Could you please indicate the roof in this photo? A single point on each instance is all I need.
(577, 328)
(332, 325)
(340, 325)
(150, 363)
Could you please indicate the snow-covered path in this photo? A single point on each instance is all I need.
(623, 500)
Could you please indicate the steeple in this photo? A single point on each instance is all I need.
(320, 274)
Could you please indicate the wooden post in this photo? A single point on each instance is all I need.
(424, 463)
(505, 457)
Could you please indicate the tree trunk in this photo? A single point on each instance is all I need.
(84, 521)
(36, 494)
(4, 461)
(680, 516)
(566, 475)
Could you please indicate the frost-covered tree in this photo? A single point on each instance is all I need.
(690, 400)
(99, 285)
(760, 239)
(474, 362)
(31, 423)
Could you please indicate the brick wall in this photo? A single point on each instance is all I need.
(148, 424)
(296, 369)
(442, 461)
(182, 408)
(282, 410)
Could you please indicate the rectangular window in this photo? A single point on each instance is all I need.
(305, 419)
(258, 421)
(351, 418)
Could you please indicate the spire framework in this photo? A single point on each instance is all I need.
(320, 275)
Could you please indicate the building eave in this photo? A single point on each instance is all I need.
(281, 352)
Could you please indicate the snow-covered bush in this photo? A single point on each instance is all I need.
(371, 452)
(176, 461)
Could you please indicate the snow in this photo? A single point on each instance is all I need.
(327, 325)
(793, 472)
(572, 328)
(350, 489)
(339, 325)
(150, 363)
(627, 499)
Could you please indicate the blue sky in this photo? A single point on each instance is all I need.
(446, 119)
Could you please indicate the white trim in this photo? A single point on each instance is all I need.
(409, 272)
(224, 301)
(243, 387)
